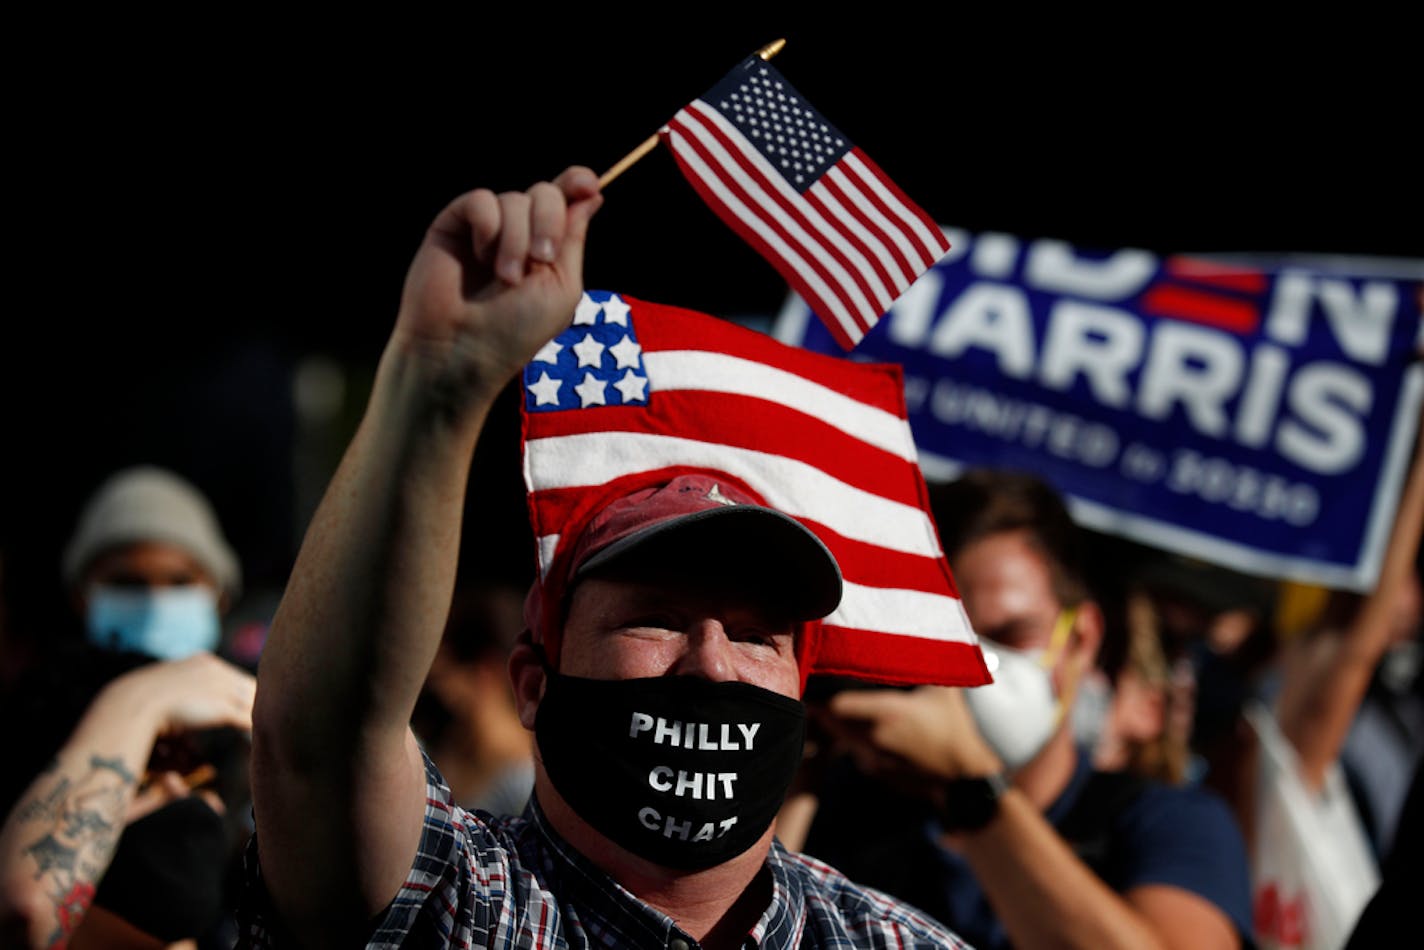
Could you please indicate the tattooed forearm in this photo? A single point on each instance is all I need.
(49, 805)
(51, 854)
(77, 823)
(72, 907)
(99, 763)
(68, 830)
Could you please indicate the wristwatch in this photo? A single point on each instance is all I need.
(971, 803)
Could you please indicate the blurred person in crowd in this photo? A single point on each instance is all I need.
(1218, 639)
(680, 603)
(1312, 700)
(1386, 735)
(466, 717)
(1342, 678)
(1339, 689)
(1023, 841)
(1386, 739)
(1326, 673)
(1129, 713)
(128, 793)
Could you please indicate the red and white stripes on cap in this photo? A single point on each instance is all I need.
(634, 394)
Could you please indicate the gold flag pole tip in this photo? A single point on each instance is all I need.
(771, 49)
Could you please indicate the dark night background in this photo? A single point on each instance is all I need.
(198, 209)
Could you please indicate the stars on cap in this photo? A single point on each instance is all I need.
(592, 391)
(626, 353)
(546, 390)
(589, 351)
(632, 387)
(549, 352)
(598, 356)
(586, 313)
(616, 311)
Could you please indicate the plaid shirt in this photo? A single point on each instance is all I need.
(504, 883)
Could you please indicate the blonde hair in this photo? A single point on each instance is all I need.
(1163, 757)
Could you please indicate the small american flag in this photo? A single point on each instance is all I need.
(839, 231)
(633, 393)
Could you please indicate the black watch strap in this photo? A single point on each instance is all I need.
(971, 803)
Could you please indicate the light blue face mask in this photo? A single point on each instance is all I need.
(167, 623)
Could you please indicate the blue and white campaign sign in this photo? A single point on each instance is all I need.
(1254, 413)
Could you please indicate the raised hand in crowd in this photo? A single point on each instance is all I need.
(336, 772)
(496, 277)
(1327, 673)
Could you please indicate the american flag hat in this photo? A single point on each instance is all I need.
(636, 401)
(703, 524)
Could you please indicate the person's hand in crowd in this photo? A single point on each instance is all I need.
(497, 277)
(190, 695)
(199, 692)
(914, 739)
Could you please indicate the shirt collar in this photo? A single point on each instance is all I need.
(785, 917)
(614, 916)
(608, 912)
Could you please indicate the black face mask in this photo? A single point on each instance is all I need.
(679, 770)
(166, 877)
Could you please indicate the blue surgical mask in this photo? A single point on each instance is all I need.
(167, 623)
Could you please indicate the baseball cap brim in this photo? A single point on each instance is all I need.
(755, 550)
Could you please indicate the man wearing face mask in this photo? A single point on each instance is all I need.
(123, 839)
(149, 568)
(1025, 844)
(660, 673)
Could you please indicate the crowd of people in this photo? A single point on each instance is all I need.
(432, 758)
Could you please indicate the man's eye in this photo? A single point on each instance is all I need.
(758, 637)
(652, 622)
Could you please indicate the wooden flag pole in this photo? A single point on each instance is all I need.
(651, 142)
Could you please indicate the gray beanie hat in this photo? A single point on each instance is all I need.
(151, 504)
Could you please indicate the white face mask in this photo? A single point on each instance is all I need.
(1018, 713)
(168, 623)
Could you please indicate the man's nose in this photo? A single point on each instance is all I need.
(709, 653)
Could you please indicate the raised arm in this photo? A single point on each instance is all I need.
(337, 779)
(1326, 675)
(60, 837)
